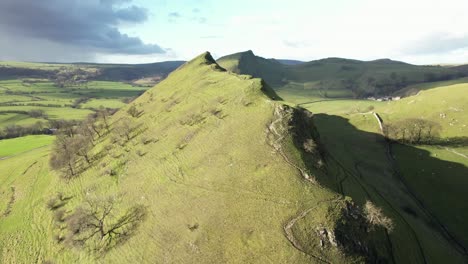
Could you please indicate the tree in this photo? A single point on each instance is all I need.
(64, 156)
(413, 131)
(103, 115)
(83, 144)
(100, 224)
(68, 150)
(124, 129)
(133, 111)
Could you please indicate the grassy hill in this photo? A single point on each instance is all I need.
(336, 77)
(219, 170)
(432, 174)
(208, 166)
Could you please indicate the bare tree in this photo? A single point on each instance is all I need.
(124, 129)
(64, 156)
(100, 224)
(133, 111)
(375, 216)
(103, 115)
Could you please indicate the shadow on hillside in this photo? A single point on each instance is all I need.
(456, 142)
(407, 190)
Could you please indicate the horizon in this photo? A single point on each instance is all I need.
(216, 58)
(143, 31)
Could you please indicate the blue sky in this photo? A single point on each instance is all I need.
(417, 31)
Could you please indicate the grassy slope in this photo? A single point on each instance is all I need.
(219, 173)
(25, 186)
(438, 174)
(435, 174)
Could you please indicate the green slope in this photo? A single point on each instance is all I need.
(222, 171)
(336, 77)
(433, 177)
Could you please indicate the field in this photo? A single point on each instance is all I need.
(19, 97)
(16, 146)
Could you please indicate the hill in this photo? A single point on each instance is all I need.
(93, 71)
(336, 77)
(434, 172)
(208, 168)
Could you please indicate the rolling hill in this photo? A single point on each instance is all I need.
(95, 71)
(336, 77)
(209, 166)
(208, 194)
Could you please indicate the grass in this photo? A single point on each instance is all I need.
(202, 161)
(106, 103)
(435, 175)
(15, 146)
(8, 119)
(360, 168)
(214, 187)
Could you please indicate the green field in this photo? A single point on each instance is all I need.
(13, 147)
(20, 96)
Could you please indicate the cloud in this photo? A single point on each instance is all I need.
(175, 15)
(91, 26)
(437, 43)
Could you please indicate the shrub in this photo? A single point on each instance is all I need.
(375, 216)
(133, 111)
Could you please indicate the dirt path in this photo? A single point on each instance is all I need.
(290, 235)
(456, 152)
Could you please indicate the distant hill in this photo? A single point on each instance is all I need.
(337, 77)
(107, 72)
(290, 62)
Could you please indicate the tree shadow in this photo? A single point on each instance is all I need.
(408, 183)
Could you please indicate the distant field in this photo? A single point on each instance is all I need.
(11, 147)
(19, 96)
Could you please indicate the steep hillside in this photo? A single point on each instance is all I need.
(336, 77)
(270, 70)
(432, 173)
(203, 168)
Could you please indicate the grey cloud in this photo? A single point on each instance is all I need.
(89, 25)
(437, 43)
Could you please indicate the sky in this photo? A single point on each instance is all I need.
(143, 31)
